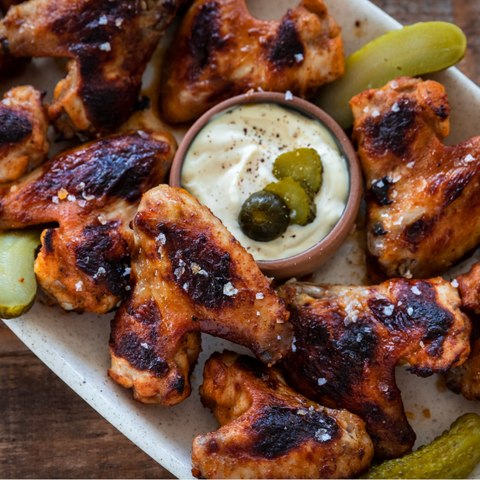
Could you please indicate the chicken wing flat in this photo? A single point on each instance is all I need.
(422, 203)
(270, 431)
(348, 340)
(190, 276)
(23, 132)
(465, 379)
(109, 42)
(92, 192)
(220, 51)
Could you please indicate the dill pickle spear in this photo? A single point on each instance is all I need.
(452, 455)
(302, 209)
(411, 51)
(18, 285)
(303, 165)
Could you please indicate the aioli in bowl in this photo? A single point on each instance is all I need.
(232, 157)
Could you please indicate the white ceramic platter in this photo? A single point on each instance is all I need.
(75, 346)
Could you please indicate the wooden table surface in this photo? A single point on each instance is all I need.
(48, 431)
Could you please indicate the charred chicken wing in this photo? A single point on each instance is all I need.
(109, 42)
(92, 192)
(270, 431)
(190, 276)
(23, 132)
(422, 202)
(221, 51)
(348, 340)
(465, 379)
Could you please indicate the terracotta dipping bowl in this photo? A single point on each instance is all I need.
(310, 260)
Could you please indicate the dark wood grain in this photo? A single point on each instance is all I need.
(48, 431)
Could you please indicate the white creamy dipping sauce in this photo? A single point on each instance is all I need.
(233, 156)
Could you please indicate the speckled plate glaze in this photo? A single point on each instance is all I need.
(75, 346)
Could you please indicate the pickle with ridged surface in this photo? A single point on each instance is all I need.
(411, 51)
(18, 285)
(452, 455)
(302, 209)
(303, 165)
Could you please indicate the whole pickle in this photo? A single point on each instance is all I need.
(452, 455)
(411, 51)
(302, 209)
(303, 165)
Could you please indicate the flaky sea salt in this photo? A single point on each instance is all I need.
(229, 290)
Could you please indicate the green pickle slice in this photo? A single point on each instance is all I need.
(452, 455)
(18, 285)
(303, 165)
(302, 208)
(411, 51)
(264, 216)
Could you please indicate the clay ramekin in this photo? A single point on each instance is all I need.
(308, 261)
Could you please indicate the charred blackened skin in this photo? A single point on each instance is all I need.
(185, 248)
(380, 190)
(205, 39)
(456, 185)
(442, 111)
(281, 429)
(116, 169)
(424, 310)
(393, 131)
(146, 313)
(13, 128)
(418, 230)
(378, 230)
(286, 45)
(251, 365)
(139, 357)
(108, 103)
(97, 250)
(48, 241)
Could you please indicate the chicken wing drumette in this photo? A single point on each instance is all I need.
(23, 132)
(348, 340)
(221, 51)
(190, 276)
(109, 42)
(92, 192)
(422, 202)
(270, 431)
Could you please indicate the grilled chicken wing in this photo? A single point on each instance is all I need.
(109, 42)
(92, 192)
(190, 276)
(221, 51)
(348, 340)
(23, 132)
(469, 287)
(270, 431)
(465, 379)
(422, 202)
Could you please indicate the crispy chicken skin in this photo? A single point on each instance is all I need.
(270, 431)
(348, 340)
(465, 379)
(422, 203)
(23, 132)
(109, 42)
(220, 51)
(92, 192)
(190, 276)
(469, 287)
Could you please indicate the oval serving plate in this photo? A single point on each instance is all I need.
(76, 347)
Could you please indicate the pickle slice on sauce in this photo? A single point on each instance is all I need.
(264, 216)
(452, 455)
(411, 51)
(303, 165)
(302, 209)
(18, 285)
